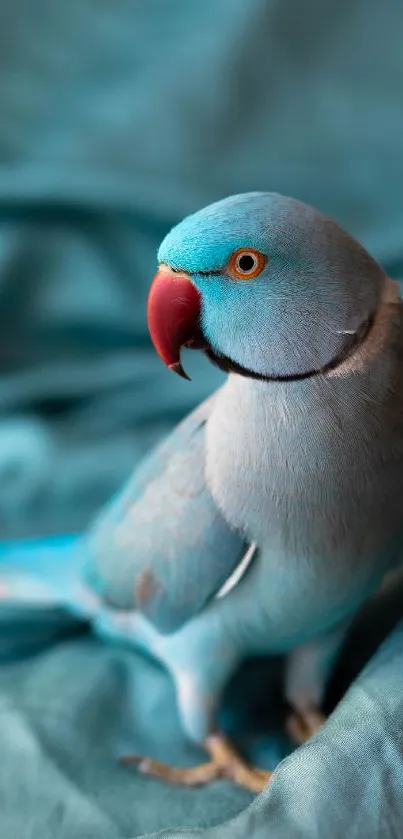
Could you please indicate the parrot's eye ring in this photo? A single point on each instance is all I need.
(246, 264)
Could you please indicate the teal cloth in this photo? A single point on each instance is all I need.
(75, 695)
(117, 119)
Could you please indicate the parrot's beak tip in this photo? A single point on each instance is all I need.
(173, 316)
(178, 369)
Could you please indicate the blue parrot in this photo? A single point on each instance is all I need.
(273, 511)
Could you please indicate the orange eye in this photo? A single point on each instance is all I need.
(246, 264)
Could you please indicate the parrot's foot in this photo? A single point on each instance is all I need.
(301, 726)
(225, 763)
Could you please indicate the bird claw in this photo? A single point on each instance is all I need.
(225, 763)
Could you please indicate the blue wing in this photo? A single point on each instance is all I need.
(163, 546)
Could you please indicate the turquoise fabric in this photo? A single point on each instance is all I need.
(76, 693)
(117, 119)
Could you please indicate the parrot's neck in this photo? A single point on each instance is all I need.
(271, 444)
(365, 368)
(378, 337)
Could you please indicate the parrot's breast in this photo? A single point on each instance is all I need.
(312, 475)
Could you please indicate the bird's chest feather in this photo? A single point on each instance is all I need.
(304, 475)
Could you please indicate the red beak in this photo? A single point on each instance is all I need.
(173, 316)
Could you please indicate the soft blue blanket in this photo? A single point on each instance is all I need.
(118, 118)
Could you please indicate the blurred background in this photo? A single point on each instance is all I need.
(119, 117)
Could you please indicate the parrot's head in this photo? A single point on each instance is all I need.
(265, 285)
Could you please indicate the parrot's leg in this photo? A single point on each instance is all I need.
(224, 762)
(307, 673)
(302, 725)
(201, 658)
